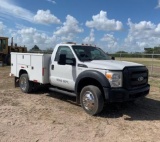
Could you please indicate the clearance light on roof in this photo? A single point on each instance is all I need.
(70, 43)
(88, 45)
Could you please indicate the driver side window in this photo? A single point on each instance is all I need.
(67, 51)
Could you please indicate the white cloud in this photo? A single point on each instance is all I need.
(68, 37)
(27, 31)
(7, 9)
(2, 28)
(69, 29)
(158, 5)
(101, 22)
(141, 26)
(52, 1)
(110, 40)
(31, 36)
(45, 17)
(91, 38)
(142, 34)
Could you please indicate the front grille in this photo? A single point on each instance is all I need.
(135, 77)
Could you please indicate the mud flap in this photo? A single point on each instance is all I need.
(78, 98)
(16, 82)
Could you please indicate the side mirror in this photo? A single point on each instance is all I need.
(74, 62)
(62, 59)
(66, 61)
(113, 58)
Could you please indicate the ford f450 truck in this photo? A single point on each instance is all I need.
(83, 71)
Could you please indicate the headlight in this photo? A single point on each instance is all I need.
(115, 78)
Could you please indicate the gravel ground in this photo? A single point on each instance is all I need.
(53, 117)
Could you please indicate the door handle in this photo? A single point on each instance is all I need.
(52, 67)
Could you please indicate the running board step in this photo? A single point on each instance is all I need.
(62, 91)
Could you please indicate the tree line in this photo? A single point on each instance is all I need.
(150, 51)
(36, 49)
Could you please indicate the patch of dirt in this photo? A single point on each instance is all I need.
(54, 117)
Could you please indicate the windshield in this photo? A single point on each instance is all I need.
(89, 53)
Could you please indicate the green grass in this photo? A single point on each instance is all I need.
(154, 82)
(153, 65)
(145, 61)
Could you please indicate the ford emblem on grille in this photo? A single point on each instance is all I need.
(141, 78)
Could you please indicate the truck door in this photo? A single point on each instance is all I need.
(63, 76)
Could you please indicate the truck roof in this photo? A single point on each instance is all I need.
(73, 43)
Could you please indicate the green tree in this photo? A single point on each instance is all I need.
(148, 50)
(35, 48)
(157, 50)
(124, 52)
(49, 50)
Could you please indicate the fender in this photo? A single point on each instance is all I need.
(21, 71)
(94, 75)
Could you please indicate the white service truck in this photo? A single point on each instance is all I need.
(83, 71)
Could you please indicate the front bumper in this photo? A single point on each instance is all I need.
(121, 94)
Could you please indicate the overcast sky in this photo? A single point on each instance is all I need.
(113, 25)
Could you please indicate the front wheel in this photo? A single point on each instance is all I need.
(91, 99)
(24, 83)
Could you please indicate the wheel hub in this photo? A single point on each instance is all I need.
(88, 100)
(23, 83)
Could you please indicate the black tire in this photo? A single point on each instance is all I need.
(91, 99)
(24, 83)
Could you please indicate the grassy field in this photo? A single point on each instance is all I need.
(145, 61)
(153, 65)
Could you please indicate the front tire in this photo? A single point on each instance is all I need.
(24, 83)
(91, 99)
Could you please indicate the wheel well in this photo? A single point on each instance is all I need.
(88, 81)
(22, 72)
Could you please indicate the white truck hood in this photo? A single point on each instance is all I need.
(110, 64)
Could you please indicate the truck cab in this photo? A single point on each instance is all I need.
(87, 73)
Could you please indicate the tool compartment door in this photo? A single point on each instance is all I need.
(14, 64)
(24, 59)
(40, 68)
(36, 73)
